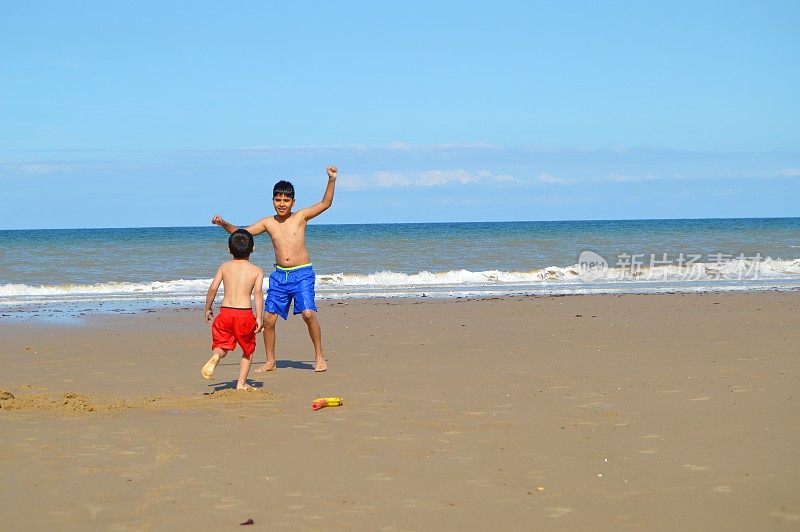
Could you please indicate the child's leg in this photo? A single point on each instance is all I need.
(269, 342)
(208, 369)
(244, 369)
(310, 317)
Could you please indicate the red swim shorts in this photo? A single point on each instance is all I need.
(232, 326)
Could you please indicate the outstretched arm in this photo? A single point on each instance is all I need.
(255, 229)
(229, 227)
(327, 198)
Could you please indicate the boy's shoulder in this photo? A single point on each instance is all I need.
(269, 220)
(244, 264)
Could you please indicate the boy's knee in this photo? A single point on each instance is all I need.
(309, 315)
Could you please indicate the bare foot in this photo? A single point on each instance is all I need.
(244, 386)
(266, 367)
(321, 365)
(211, 365)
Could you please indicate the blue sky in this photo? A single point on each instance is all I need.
(117, 114)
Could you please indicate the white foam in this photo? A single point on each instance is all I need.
(740, 269)
(737, 274)
(179, 286)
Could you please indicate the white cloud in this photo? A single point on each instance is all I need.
(352, 182)
(544, 177)
(619, 178)
(361, 148)
(453, 146)
(435, 178)
(44, 168)
(421, 179)
(503, 178)
(392, 179)
(788, 172)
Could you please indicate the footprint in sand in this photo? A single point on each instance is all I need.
(557, 511)
(415, 504)
(361, 508)
(722, 489)
(483, 482)
(695, 467)
(94, 509)
(381, 477)
(228, 503)
(786, 516)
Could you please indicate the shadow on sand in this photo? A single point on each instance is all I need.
(295, 364)
(280, 364)
(231, 385)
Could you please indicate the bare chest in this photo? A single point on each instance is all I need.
(288, 231)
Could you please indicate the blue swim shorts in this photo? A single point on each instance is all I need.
(290, 284)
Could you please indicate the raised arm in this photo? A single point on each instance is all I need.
(327, 198)
(255, 229)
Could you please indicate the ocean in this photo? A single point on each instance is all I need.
(90, 270)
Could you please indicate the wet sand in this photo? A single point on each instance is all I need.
(662, 412)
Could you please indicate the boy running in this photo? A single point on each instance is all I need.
(236, 323)
(293, 278)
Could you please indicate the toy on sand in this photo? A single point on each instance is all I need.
(322, 402)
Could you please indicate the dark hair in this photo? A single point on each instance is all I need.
(283, 187)
(240, 243)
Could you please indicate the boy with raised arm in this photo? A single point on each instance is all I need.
(293, 278)
(236, 323)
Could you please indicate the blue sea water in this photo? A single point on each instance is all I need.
(137, 267)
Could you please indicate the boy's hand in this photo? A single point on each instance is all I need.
(209, 315)
(332, 170)
(217, 220)
(259, 325)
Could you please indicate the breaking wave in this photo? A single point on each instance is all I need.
(740, 274)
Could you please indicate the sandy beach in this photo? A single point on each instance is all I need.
(657, 412)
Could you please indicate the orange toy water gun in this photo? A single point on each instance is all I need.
(322, 402)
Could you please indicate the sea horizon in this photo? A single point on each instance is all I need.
(315, 223)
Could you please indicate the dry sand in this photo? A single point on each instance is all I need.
(669, 412)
